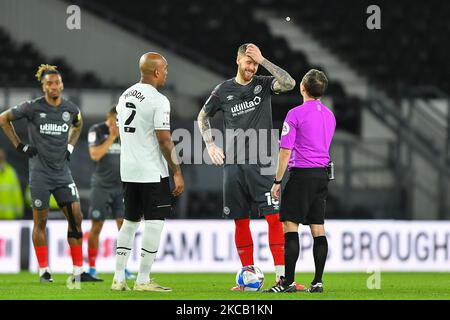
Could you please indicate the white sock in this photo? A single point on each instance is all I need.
(149, 248)
(43, 270)
(279, 272)
(124, 245)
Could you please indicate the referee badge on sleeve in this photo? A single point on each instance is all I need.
(286, 129)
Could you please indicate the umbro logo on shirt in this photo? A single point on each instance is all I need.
(42, 115)
(230, 97)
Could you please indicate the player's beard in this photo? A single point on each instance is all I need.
(247, 75)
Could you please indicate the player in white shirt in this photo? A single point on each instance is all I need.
(146, 149)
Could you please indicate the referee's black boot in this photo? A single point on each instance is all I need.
(316, 288)
(86, 277)
(281, 286)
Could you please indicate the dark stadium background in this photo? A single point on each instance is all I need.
(388, 87)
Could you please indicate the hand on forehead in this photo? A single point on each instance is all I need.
(253, 52)
(252, 46)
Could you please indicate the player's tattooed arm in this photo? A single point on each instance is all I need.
(75, 130)
(215, 153)
(284, 82)
(5, 123)
(204, 127)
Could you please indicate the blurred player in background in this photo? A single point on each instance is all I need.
(305, 148)
(245, 101)
(54, 126)
(146, 149)
(106, 199)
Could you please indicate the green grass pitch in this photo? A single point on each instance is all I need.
(215, 286)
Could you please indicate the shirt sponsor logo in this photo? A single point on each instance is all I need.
(286, 129)
(245, 106)
(53, 129)
(66, 116)
(257, 89)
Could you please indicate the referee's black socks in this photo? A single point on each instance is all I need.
(291, 252)
(320, 251)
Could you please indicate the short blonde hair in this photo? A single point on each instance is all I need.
(242, 49)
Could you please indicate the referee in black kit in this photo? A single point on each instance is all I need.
(304, 148)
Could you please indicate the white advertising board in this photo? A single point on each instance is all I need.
(208, 246)
(10, 246)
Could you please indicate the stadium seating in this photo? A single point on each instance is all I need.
(209, 34)
(410, 49)
(19, 62)
(418, 31)
(211, 40)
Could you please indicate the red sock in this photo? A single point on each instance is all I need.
(244, 242)
(42, 256)
(92, 256)
(77, 255)
(276, 238)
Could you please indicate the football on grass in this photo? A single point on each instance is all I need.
(250, 278)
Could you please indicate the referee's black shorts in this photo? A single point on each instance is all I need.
(304, 197)
(153, 201)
